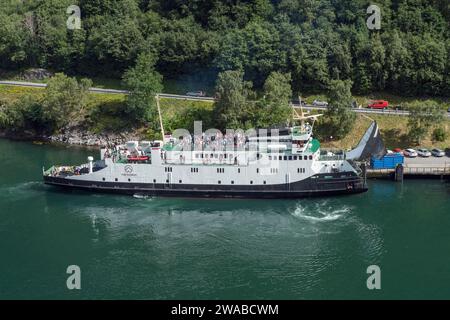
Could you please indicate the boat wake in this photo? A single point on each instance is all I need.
(142, 196)
(320, 212)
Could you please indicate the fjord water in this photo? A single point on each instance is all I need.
(145, 248)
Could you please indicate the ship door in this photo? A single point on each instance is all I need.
(168, 184)
(288, 182)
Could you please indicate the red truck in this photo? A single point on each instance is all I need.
(379, 104)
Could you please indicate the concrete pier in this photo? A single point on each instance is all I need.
(416, 168)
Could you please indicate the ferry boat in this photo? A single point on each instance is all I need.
(285, 164)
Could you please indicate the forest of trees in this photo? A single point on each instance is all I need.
(260, 53)
(315, 41)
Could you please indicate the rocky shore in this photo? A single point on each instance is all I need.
(75, 137)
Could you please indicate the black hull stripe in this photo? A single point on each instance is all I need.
(274, 192)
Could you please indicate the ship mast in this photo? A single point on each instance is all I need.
(160, 117)
(301, 117)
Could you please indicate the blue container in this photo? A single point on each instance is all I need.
(389, 161)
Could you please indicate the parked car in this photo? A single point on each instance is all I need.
(297, 102)
(379, 104)
(448, 110)
(398, 150)
(447, 152)
(424, 153)
(410, 153)
(437, 153)
(318, 103)
(196, 94)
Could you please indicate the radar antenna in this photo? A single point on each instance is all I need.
(302, 116)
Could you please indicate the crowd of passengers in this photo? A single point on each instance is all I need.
(217, 142)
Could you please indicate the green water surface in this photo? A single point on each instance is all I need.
(134, 248)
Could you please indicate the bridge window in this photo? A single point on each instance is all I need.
(290, 158)
(116, 179)
(232, 182)
(154, 180)
(104, 179)
(219, 182)
(305, 158)
(285, 158)
(310, 157)
(181, 181)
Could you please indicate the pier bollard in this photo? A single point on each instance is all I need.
(399, 173)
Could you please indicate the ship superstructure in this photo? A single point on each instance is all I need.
(285, 164)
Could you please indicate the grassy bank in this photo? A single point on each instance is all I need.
(394, 131)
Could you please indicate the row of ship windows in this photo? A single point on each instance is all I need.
(290, 158)
(222, 170)
(280, 158)
(181, 181)
(218, 182)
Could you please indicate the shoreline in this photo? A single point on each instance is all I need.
(75, 138)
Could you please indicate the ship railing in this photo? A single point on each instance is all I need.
(331, 158)
(355, 166)
(49, 171)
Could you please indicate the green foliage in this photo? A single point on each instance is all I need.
(274, 109)
(423, 116)
(64, 100)
(233, 108)
(339, 118)
(53, 45)
(316, 41)
(440, 134)
(144, 83)
(14, 40)
(24, 113)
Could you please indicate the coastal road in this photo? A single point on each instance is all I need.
(44, 85)
(208, 99)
